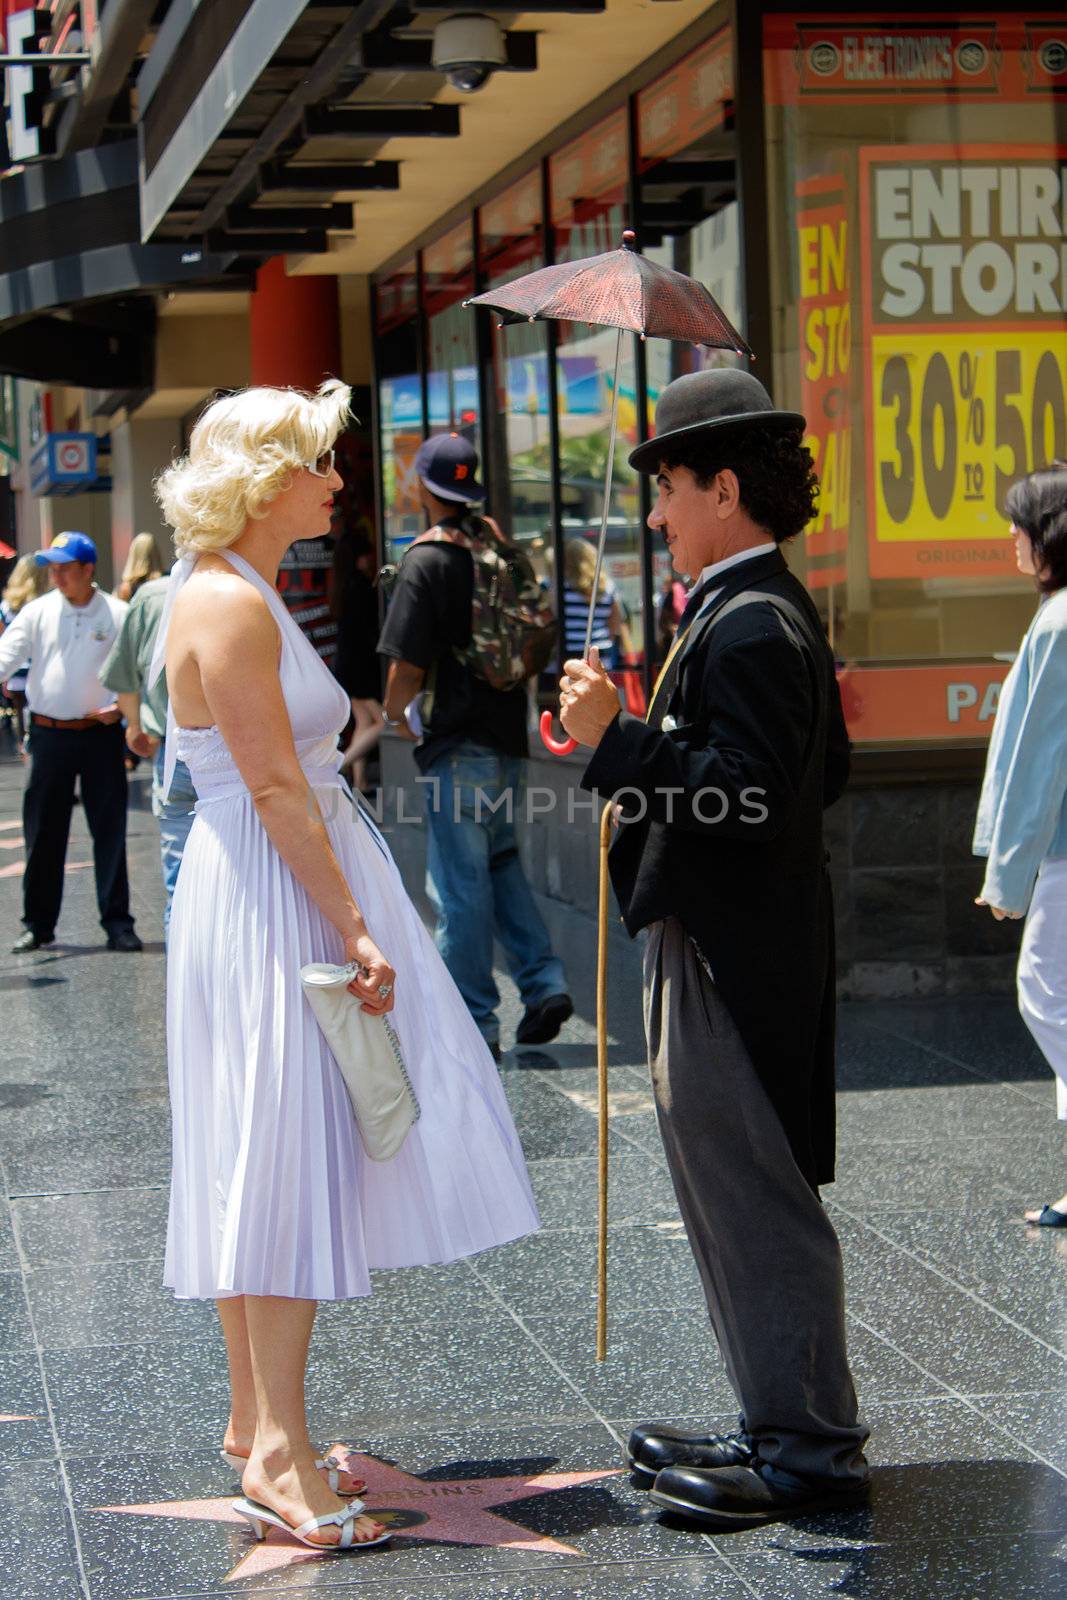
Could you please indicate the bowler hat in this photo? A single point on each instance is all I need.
(721, 401)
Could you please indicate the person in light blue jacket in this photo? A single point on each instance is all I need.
(1022, 814)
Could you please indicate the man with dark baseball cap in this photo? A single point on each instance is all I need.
(473, 743)
(75, 737)
(724, 863)
(447, 465)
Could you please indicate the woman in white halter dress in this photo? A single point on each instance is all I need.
(274, 1203)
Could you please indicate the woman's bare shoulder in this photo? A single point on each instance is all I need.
(218, 597)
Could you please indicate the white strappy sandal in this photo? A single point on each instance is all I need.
(262, 1517)
(327, 1464)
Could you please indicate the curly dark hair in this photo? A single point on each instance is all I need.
(775, 472)
(1038, 505)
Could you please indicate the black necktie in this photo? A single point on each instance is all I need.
(693, 604)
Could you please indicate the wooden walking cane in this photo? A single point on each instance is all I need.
(602, 1089)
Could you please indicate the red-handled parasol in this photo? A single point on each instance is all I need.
(624, 290)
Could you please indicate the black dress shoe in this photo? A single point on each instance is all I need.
(745, 1497)
(124, 939)
(542, 1022)
(655, 1445)
(31, 941)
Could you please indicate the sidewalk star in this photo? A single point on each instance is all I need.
(449, 1510)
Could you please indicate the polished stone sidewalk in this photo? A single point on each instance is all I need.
(491, 1433)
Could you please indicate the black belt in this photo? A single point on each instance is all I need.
(68, 724)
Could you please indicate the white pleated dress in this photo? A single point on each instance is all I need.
(271, 1189)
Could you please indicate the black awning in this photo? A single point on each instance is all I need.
(70, 242)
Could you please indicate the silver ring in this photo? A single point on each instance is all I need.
(384, 990)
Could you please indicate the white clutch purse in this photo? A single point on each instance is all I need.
(367, 1051)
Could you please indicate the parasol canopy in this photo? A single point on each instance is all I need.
(623, 290)
(619, 289)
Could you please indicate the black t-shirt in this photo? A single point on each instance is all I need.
(429, 614)
(356, 667)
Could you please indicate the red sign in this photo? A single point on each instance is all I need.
(690, 100)
(1045, 57)
(397, 298)
(871, 58)
(890, 705)
(590, 167)
(515, 214)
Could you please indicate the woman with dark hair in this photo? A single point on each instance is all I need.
(1022, 814)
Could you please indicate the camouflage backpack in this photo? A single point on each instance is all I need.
(513, 630)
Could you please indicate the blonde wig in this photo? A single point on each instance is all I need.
(24, 583)
(242, 454)
(143, 562)
(579, 566)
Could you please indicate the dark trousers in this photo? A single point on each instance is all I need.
(767, 1252)
(95, 757)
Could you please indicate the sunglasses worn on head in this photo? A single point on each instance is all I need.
(323, 466)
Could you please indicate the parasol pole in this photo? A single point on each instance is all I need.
(563, 747)
(608, 473)
(602, 1089)
(602, 920)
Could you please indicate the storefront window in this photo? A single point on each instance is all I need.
(518, 436)
(587, 181)
(688, 219)
(451, 352)
(399, 405)
(917, 221)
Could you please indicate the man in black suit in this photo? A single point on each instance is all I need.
(720, 855)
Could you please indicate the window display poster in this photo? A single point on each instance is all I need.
(964, 292)
(823, 305)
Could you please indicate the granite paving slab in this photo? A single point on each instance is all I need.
(479, 1378)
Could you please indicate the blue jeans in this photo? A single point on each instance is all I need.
(476, 882)
(175, 817)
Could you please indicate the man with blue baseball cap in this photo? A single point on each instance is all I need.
(75, 737)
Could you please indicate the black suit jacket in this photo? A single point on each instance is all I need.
(725, 833)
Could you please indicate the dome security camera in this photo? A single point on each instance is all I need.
(468, 48)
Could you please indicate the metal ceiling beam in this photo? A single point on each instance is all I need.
(317, 82)
(382, 122)
(683, 212)
(327, 177)
(63, 350)
(380, 52)
(312, 242)
(517, 7)
(257, 219)
(123, 24)
(690, 172)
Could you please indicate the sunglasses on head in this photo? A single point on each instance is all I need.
(323, 466)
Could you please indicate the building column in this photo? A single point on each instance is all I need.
(295, 328)
(140, 449)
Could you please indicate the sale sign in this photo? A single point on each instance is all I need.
(964, 292)
(824, 310)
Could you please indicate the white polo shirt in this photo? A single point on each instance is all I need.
(66, 646)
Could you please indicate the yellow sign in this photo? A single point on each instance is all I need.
(956, 417)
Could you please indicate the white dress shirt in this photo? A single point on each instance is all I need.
(66, 646)
(723, 566)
